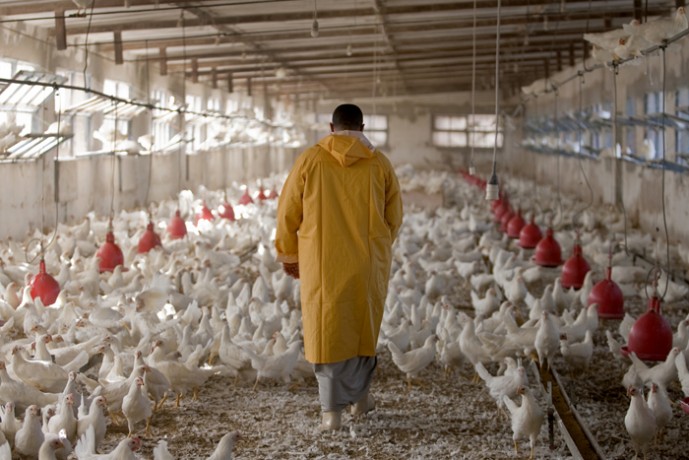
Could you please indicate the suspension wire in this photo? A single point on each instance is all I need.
(182, 115)
(86, 42)
(615, 135)
(114, 163)
(150, 121)
(662, 182)
(556, 124)
(581, 159)
(55, 188)
(497, 90)
(473, 88)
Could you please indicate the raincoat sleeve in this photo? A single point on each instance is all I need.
(393, 201)
(289, 216)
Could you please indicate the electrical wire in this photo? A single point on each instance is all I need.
(615, 131)
(556, 123)
(114, 148)
(150, 122)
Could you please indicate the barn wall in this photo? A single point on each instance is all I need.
(637, 186)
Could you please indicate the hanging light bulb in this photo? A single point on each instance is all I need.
(349, 49)
(314, 25)
(281, 73)
(217, 40)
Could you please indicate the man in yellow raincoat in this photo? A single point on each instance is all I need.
(338, 215)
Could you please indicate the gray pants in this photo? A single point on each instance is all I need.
(344, 383)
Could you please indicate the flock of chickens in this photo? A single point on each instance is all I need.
(114, 346)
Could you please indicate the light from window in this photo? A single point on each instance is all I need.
(454, 131)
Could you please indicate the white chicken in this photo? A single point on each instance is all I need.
(661, 373)
(503, 385)
(682, 373)
(547, 339)
(48, 449)
(279, 366)
(526, 419)
(96, 419)
(86, 448)
(9, 424)
(65, 419)
(223, 451)
(136, 406)
(413, 361)
(30, 436)
(659, 403)
(639, 422)
(577, 354)
(45, 376)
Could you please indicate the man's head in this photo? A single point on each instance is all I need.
(347, 117)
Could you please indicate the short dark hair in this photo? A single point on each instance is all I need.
(348, 116)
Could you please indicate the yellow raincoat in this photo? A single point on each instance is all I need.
(338, 214)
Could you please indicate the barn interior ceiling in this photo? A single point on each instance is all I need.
(358, 47)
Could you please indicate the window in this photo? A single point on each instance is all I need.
(476, 130)
(121, 90)
(194, 124)
(682, 135)
(652, 147)
(376, 129)
(17, 117)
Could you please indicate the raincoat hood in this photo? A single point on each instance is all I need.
(348, 147)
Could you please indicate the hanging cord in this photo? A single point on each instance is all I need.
(473, 90)
(557, 158)
(182, 128)
(150, 121)
(662, 182)
(494, 177)
(86, 42)
(581, 146)
(56, 187)
(615, 135)
(112, 180)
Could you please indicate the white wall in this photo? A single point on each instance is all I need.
(639, 187)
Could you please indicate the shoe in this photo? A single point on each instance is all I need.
(331, 421)
(364, 405)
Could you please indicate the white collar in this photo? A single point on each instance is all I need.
(359, 135)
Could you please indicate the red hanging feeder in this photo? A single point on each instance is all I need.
(245, 199)
(110, 254)
(149, 240)
(262, 194)
(651, 335)
(504, 220)
(575, 269)
(515, 225)
(177, 228)
(272, 194)
(43, 285)
(204, 214)
(530, 235)
(501, 209)
(226, 211)
(608, 295)
(548, 253)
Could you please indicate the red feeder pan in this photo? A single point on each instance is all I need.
(502, 209)
(608, 296)
(272, 194)
(177, 228)
(226, 211)
(110, 254)
(515, 225)
(548, 253)
(651, 335)
(204, 214)
(505, 219)
(530, 235)
(149, 240)
(575, 269)
(245, 198)
(262, 194)
(44, 286)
